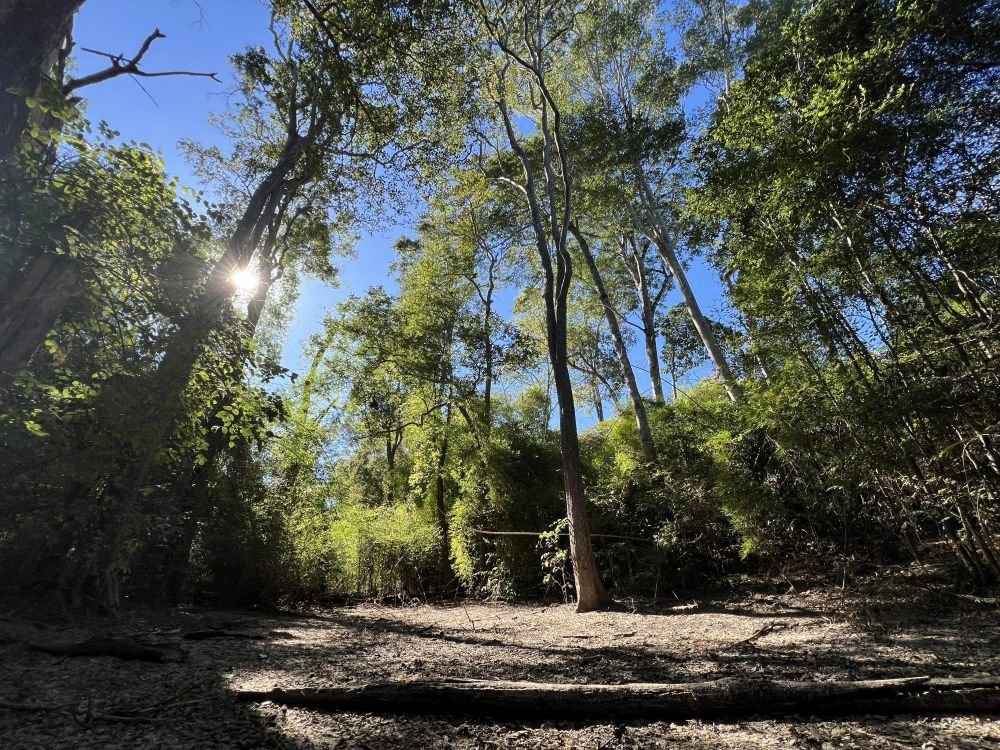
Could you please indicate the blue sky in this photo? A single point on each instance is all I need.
(201, 35)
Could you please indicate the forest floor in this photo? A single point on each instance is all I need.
(105, 702)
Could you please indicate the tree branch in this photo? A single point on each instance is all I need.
(121, 65)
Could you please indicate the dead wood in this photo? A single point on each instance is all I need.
(766, 630)
(204, 635)
(120, 648)
(719, 698)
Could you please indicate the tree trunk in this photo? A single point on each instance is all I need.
(30, 34)
(728, 697)
(636, 266)
(649, 340)
(590, 591)
(30, 307)
(666, 250)
(441, 507)
(595, 388)
(611, 315)
(701, 323)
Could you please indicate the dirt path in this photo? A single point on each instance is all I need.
(102, 702)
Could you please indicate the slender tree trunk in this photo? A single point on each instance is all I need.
(31, 31)
(590, 591)
(611, 315)
(595, 388)
(441, 506)
(649, 340)
(701, 324)
(636, 266)
(591, 594)
(665, 248)
(489, 353)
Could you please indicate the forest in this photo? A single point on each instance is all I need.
(690, 324)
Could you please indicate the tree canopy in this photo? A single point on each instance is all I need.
(683, 289)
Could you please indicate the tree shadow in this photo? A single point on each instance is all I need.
(193, 705)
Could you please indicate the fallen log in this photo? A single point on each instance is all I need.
(204, 635)
(728, 697)
(120, 648)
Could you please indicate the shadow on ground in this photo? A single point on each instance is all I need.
(103, 702)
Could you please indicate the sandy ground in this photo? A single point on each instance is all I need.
(104, 702)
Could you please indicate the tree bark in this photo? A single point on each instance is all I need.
(729, 697)
(30, 307)
(701, 324)
(441, 507)
(590, 591)
(635, 264)
(611, 315)
(649, 340)
(595, 388)
(30, 34)
(666, 250)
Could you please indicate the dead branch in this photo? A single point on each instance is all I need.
(121, 65)
(760, 633)
(726, 697)
(120, 648)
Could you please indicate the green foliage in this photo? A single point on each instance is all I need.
(843, 183)
(675, 510)
(383, 550)
(556, 560)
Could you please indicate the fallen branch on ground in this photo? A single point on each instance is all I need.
(767, 629)
(726, 697)
(120, 648)
(204, 635)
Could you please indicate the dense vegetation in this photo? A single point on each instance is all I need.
(836, 163)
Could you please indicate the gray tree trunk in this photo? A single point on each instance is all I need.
(611, 315)
(664, 246)
(31, 32)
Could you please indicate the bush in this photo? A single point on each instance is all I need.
(384, 550)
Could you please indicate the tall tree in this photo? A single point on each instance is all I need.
(523, 35)
(635, 96)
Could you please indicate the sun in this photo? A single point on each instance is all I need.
(245, 280)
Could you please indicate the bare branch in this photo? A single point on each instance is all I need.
(121, 66)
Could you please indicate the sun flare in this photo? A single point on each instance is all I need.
(245, 280)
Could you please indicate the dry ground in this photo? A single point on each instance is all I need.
(103, 702)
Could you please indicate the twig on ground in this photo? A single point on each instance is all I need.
(760, 633)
